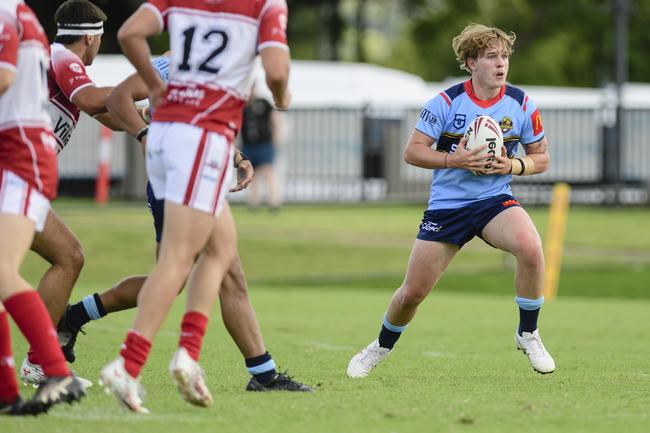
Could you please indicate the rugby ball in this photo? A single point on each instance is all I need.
(484, 130)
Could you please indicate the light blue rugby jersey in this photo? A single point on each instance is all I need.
(445, 119)
(161, 65)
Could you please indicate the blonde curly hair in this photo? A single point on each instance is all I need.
(475, 38)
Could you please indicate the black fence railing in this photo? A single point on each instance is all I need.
(355, 154)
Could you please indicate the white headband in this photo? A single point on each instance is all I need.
(80, 29)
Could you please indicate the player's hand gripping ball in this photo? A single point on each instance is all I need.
(484, 130)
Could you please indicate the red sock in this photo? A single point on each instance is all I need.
(8, 384)
(33, 320)
(192, 332)
(32, 357)
(135, 351)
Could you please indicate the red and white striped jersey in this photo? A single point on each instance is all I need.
(27, 146)
(67, 75)
(24, 50)
(213, 47)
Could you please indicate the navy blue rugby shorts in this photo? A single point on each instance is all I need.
(157, 209)
(459, 226)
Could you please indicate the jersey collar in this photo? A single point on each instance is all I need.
(483, 104)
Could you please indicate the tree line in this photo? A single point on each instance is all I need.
(559, 42)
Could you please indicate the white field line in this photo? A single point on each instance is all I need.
(328, 346)
(123, 330)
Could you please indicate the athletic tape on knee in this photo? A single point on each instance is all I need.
(529, 304)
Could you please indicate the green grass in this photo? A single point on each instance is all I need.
(320, 280)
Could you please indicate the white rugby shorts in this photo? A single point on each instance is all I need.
(20, 198)
(189, 165)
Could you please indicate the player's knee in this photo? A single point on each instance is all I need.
(234, 284)
(531, 252)
(76, 258)
(410, 295)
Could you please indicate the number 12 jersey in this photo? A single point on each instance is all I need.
(213, 47)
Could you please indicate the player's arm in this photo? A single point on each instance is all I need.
(120, 103)
(110, 121)
(8, 52)
(536, 160)
(419, 152)
(276, 63)
(7, 77)
(132, 36)
(91, 99)
(245, 171)
(537, 155)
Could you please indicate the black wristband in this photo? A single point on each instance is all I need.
(142, 133)
(242, 158)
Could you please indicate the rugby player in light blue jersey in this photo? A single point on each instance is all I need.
(236, 310)
(463, 205)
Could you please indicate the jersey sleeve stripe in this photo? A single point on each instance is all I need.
(8, 66)
(446, 98)
(525, 102)
(152, 8)
(276, 44)
(74, 92)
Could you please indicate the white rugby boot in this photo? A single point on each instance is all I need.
(117, 381)
(33, 374)
(531, 344)
(364, 361)
(190, 378)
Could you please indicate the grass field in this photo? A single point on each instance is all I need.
(320, 279)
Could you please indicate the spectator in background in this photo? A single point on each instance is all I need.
(259, 136)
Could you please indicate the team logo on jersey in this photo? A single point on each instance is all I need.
(76, 67)
(459, 121)
(505, 124)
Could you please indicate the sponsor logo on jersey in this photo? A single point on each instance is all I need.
(282, 21)
(191, 97)
(63, 130)
(459, 121)
(505, 124)
(429, 226)
(536, 120)
(76, 67)
(428, 117)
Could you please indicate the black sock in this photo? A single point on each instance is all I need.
(261, 367)
(78, 316)
(528, 320)
(100, 306)
(388, 338)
